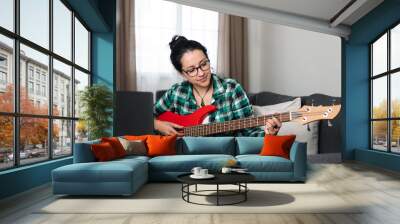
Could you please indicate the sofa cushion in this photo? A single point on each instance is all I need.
(116, 145)
(159, 145)
(111, 171)
(185, 163)
(249, 145)
(83, 152)
(277, 145)
(207, 145)
(257, 163)
(103, 152)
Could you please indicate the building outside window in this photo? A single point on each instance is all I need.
(385, 91)
(35, 77)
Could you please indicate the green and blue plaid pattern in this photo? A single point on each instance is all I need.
(229, 98)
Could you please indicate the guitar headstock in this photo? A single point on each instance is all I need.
(307, 114)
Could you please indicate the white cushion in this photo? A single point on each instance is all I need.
(293, 128)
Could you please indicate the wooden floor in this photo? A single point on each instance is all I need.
(377, 188)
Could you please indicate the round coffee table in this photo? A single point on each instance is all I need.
(238, 179)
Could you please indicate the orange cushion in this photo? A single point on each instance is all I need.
(103, 151)
(136, 137)
(277, 145)
(158, 145)
(116, 145)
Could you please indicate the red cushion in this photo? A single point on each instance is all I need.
(136, 137)
(103, 152)
(158, 145)
(116, 145)
(277, 145)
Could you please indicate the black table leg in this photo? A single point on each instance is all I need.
(217, 194)
(245, 193)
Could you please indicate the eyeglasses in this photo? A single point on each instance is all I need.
(192, 72)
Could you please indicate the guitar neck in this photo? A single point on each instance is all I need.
(227, 126)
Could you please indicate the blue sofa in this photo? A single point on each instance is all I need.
(125, 176)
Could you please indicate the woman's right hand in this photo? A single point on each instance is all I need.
(168, 128)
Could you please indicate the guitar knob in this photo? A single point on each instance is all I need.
(333, 102)
(330, 123)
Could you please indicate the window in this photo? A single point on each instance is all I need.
(38, 89)
(156, 22)
(30, 87)
(44, 91)
(3, 78)
(3, 61)
(385, 91)
(45, 131)
(30, 72)
(7, 14)
(43, 77)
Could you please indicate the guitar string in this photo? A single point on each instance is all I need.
(252, 121)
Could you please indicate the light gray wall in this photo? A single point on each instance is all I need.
(292, 61)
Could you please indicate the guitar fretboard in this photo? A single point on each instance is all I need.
(227, 126)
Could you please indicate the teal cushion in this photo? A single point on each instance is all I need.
(249, 145)
(111, 171)
(185, 163)
(208, 145)
(83, 152)
(257, 163)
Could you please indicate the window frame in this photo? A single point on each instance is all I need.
(16, 115)
(388, 74)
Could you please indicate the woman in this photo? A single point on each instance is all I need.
(201, 88)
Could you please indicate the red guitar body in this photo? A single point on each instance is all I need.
(193, 119)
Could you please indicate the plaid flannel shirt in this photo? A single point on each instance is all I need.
(229, 98)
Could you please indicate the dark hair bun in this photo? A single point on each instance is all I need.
(177, 40)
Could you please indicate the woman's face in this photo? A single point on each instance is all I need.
(196, 68)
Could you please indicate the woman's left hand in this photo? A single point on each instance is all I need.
(272, 126)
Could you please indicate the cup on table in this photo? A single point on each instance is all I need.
(203, 172)
(226, 170)
(196, 171)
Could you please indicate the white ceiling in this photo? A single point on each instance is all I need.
(314, 15)
(320, 9)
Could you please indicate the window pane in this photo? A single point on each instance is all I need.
(81, 81)
(6, 74)
(62, 29)
(6, 142)
(81, 45)
(395, 47)
(35, 21)
(34, 72)
(379, 56)
(62, 89)
(379, 98)
(7, 14)
(395, 138)
(379, 135)
(62, 133)
(395, 94)
(33, 140)
(81, 131)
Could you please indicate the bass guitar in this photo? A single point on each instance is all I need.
(193, 126)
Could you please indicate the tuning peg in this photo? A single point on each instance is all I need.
(330, 123)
